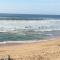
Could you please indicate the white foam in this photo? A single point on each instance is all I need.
(30, 41)
(7, 25)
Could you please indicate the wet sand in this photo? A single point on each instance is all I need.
(44, 50)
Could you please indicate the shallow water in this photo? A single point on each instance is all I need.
(27, 35)
(20, 37)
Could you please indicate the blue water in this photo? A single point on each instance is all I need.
(27, 17)
(26, 27)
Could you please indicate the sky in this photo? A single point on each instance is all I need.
(30, 6)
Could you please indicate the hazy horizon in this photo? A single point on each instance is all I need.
(50, 7)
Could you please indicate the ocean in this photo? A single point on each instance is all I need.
(28, 27)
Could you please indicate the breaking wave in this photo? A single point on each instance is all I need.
(16, 25)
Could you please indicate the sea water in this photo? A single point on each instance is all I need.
(28, 27)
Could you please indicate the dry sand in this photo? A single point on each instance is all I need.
(45, 50)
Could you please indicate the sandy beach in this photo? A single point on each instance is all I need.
(44, 50)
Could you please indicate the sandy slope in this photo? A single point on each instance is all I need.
(47, 50)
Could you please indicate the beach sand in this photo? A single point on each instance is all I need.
(44, 50)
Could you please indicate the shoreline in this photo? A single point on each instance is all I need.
(12, 43)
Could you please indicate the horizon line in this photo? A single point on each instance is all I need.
(29, 14)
